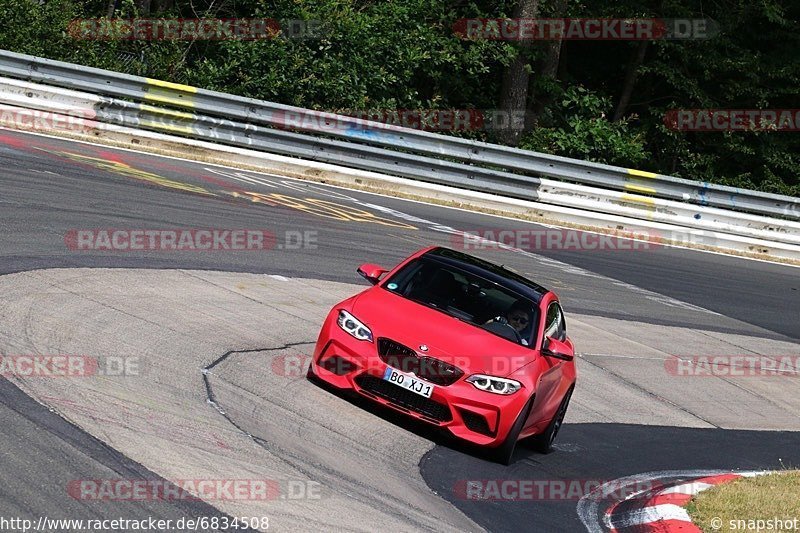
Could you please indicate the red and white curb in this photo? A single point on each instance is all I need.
(659, 508)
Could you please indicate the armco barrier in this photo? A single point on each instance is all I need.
(114, 111)
(699, 225)
(394, 150)
(61, 106)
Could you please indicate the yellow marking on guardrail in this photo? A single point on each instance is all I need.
(644, 203)
(641, 173)
(166, 127)
(169, 114)
(165, 92)
(638, 199)
(181, 115)
(173, 86)
(167, 98)
(640, 188)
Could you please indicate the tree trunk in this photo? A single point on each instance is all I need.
(563, 63)
(516, 78)
(112, 5)
(144, 7)
(636, 61)
(548, 69)
(163, 5)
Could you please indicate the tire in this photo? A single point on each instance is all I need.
(310, 375)
(543, 443)
(503, 453)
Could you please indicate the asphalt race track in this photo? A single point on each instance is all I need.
(211, 332)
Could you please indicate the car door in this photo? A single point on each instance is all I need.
(552, 383)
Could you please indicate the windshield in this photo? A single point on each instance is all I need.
(467, 297)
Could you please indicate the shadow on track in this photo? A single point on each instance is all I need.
(596, 453)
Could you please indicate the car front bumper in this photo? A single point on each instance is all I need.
(479, 417)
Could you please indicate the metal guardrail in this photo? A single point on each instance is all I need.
(27, 105)
(152, 104)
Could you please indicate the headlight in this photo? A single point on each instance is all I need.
(494, 384)
(353, 326)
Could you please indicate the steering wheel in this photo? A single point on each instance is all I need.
(500, 326)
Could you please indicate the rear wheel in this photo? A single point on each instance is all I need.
(543, 443)
(503, 453)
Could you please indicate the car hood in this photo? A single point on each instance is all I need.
(466, 346)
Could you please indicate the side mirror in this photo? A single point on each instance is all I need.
(555, 348)
(371, 273)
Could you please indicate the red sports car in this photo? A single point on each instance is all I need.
(457, 342)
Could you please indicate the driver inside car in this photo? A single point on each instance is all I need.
(518, 316)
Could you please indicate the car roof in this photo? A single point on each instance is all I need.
(489, 271)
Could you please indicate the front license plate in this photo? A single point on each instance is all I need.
(408, 381)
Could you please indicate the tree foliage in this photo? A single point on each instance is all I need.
(598, 100)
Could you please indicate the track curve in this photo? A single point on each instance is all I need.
(629, 312)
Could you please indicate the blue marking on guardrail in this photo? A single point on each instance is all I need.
(361, 133)
(702, 193)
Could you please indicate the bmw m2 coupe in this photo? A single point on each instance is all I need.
(457, 342)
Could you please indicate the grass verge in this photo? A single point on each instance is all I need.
(750, 504)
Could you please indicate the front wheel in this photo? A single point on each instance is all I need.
(543, 443)
(503, 453)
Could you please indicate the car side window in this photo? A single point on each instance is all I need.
(562, 324)
(555, 325)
